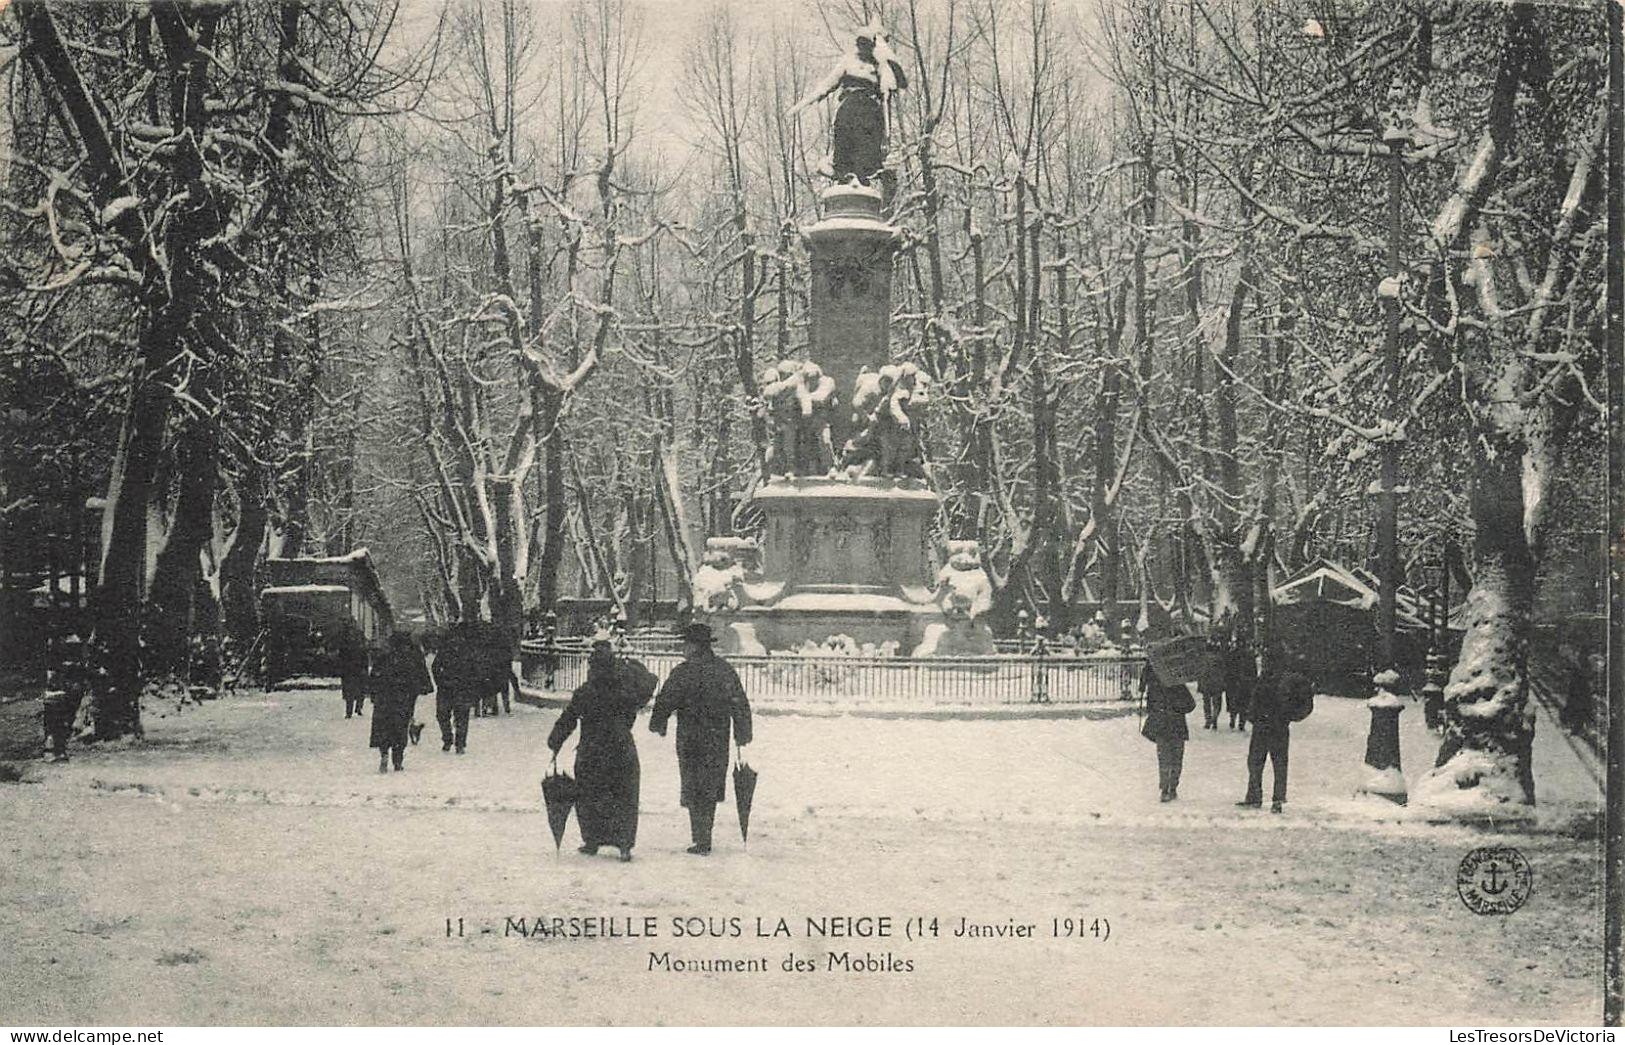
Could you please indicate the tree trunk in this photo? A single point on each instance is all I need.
(1484, 762)
(507, 596)
(238, 582)
(168, 619)
(116, 701)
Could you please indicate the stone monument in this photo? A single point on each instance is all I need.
(847, 502)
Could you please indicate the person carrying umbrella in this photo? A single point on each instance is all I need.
(398, 679)
(607, 770)
(707, 697)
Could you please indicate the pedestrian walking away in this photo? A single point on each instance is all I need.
(1166, 706)
(456, 685)
(607, 769)
(1240, 680)
(399, 677)
(352, 657)
(1278, 701)
(708, 699)
(1212, 683)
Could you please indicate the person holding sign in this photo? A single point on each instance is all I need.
(1166, 705)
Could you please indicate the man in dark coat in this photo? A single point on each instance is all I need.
(457, 681)
(398, 679)
(707, 697)
(1278, 701)
(1240, 679)
(490, 666)
(1166, 706)
(1212, 683)
(607, 770)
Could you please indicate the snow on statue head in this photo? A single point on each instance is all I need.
(718, 580)
(865, 394)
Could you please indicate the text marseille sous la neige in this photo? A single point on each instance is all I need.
(834, 927)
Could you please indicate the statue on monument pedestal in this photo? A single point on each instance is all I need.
(781, 404)
(963, 589)
(818, 401)
(964, 595)
(799, 399)
(888, 409)
(865, 77)
(719, 582)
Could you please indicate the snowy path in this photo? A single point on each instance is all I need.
(249, 865)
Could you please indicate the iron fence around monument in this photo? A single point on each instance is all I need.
(880, 681)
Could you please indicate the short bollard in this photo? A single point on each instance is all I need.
(1383, 776)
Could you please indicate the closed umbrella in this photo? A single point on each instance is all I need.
(559, 795)
(744, 793)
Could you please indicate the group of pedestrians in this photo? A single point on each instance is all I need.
(705, 696)
(1227, 685)
(1271, 702)
(470, 671)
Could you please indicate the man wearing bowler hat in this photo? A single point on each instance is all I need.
(706, 695)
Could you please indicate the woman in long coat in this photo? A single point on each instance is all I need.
(607, 769)
(399, 677)
(1166, 706)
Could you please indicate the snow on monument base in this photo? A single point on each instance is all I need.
(1474, 785)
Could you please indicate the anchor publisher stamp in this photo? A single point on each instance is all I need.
(1494, 879)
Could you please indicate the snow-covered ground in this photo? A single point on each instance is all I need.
(248, 864)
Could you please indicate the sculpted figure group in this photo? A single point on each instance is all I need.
(799, 399)
(888, 411)
(888, 408)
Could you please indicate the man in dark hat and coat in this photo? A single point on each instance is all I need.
(607, 769)
(456, 686)
(1241, 676)
(706, 695)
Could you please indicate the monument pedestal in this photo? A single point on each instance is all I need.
(839, 557)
